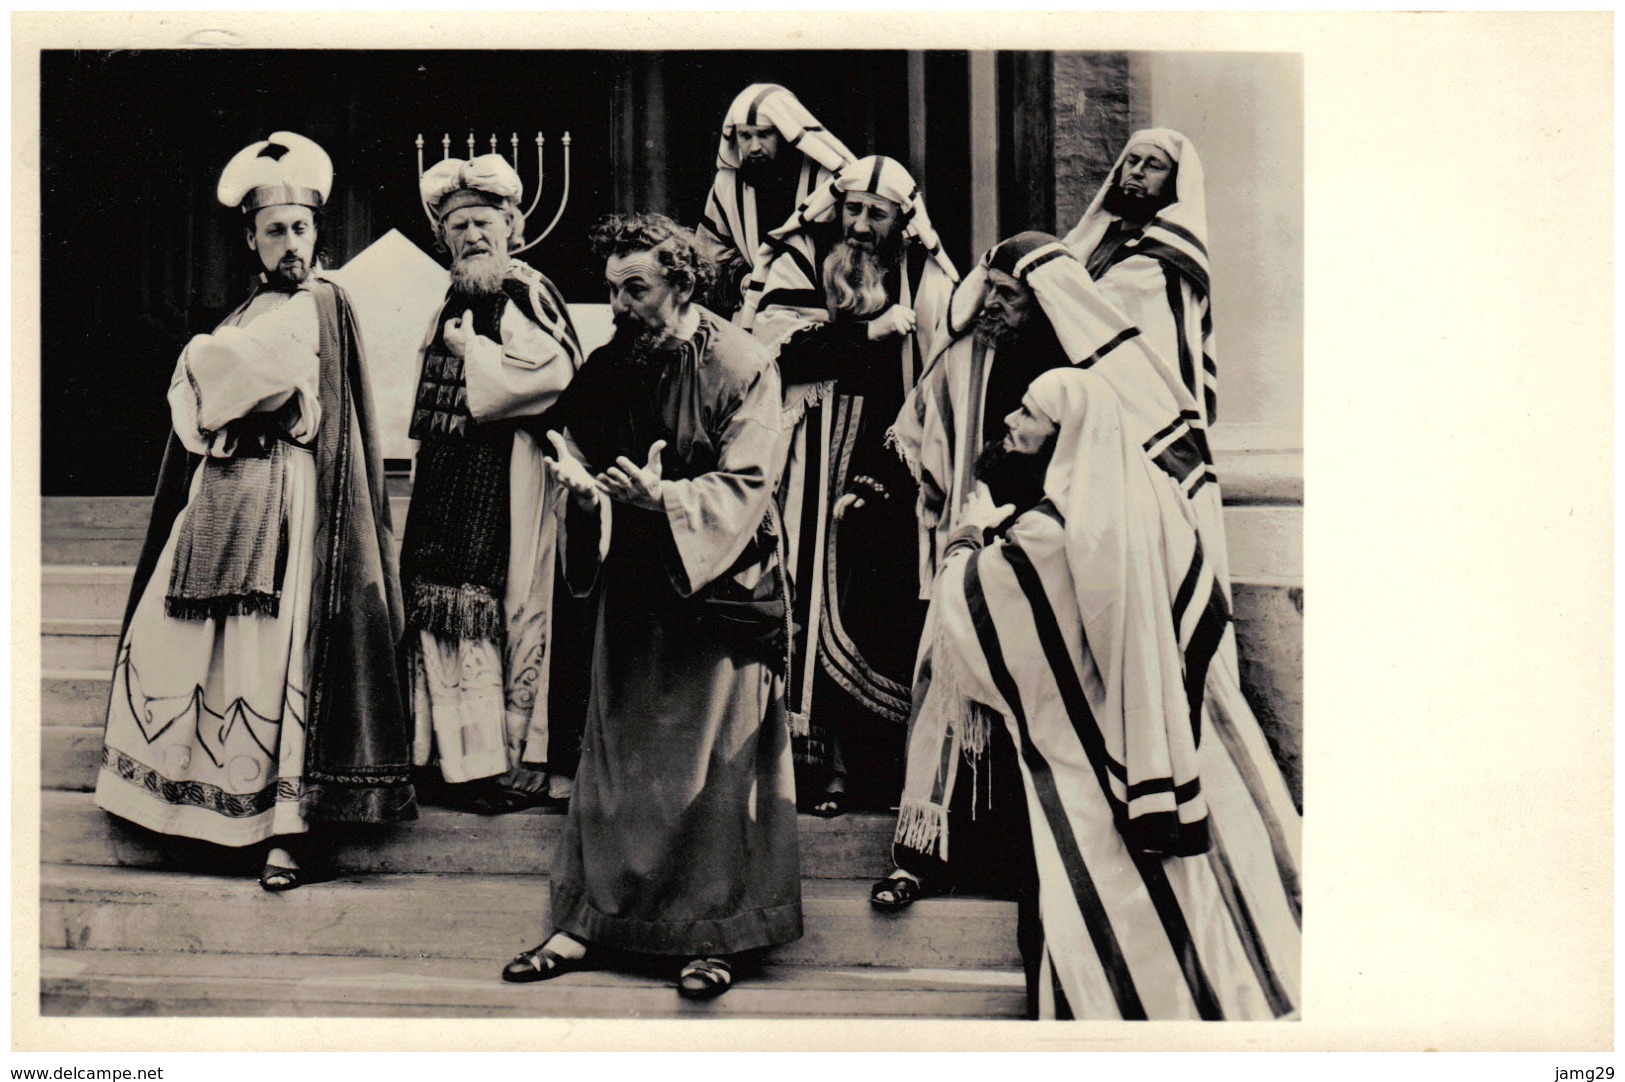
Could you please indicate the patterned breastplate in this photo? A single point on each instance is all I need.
(440, 410)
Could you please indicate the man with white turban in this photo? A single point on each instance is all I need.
(851, 298)
(256, 692)
(478, 558)
(760, 182)
(1144, 240)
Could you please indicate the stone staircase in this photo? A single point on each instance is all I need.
(418, 919)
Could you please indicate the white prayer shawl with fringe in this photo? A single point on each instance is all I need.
(1160, 279)
(1166, 841)
(522, 375)
(730, 220)
(784, 295)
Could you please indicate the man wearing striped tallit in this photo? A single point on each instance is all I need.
(773, 155)
(850, 295)
(1144, 239)
(1096, 624)
(479, 553)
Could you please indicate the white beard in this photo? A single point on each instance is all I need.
(478, 274)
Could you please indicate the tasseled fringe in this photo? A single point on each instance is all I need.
(218, 608)
(923, 828)
(791, 415)
(459, 612)
(800, 723)
(893, 441)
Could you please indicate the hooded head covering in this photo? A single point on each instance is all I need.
(1086, 324)
(1182, 223)
(731, 225)
(770, 103)
(286, 169)
(487, 180)
(1181, 326)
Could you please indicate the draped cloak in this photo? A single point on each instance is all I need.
(355, 762)
(1099, 629)
(681, 836)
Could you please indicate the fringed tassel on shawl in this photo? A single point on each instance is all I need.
(799, 402)
(923, 828)
(895, 442)
(800, 723)
(218, 608)
(459, 612)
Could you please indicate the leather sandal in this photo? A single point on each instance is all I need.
(705, 978)
(541, 964)
(895, 893)
(275, 878)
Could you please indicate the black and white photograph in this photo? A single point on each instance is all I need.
(620, 531)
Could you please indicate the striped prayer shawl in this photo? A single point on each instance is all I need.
(1174, 243)
(1126, 934)
(730, 219)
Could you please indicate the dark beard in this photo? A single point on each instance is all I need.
(764, 172)
(287, 276)
(1134, 207)
(478, 275)
(1012, 477)
(636, 342)
(995, 332)
(855, 281)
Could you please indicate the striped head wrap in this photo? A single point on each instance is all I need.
(874, 175)
(1087, 324)
(770, 103)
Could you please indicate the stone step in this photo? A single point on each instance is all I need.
(84, 592)
(70, 755)
(469, 917)
(74, 697)
(71, 643)
(73, 830)
(74, 982)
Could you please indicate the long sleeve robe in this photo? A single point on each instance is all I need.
(681, 837)
(235, 728)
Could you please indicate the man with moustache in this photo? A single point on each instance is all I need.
(851, 300)
(255, 692)
(1144, 240)
(681, 837)
(773, 155)
(477, 561)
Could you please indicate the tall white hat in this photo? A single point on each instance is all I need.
(287, 168)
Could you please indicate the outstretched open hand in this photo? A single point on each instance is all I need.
(626, 482)
(573, 474)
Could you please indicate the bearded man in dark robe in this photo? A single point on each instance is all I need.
(681, 839)
(851, 299)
